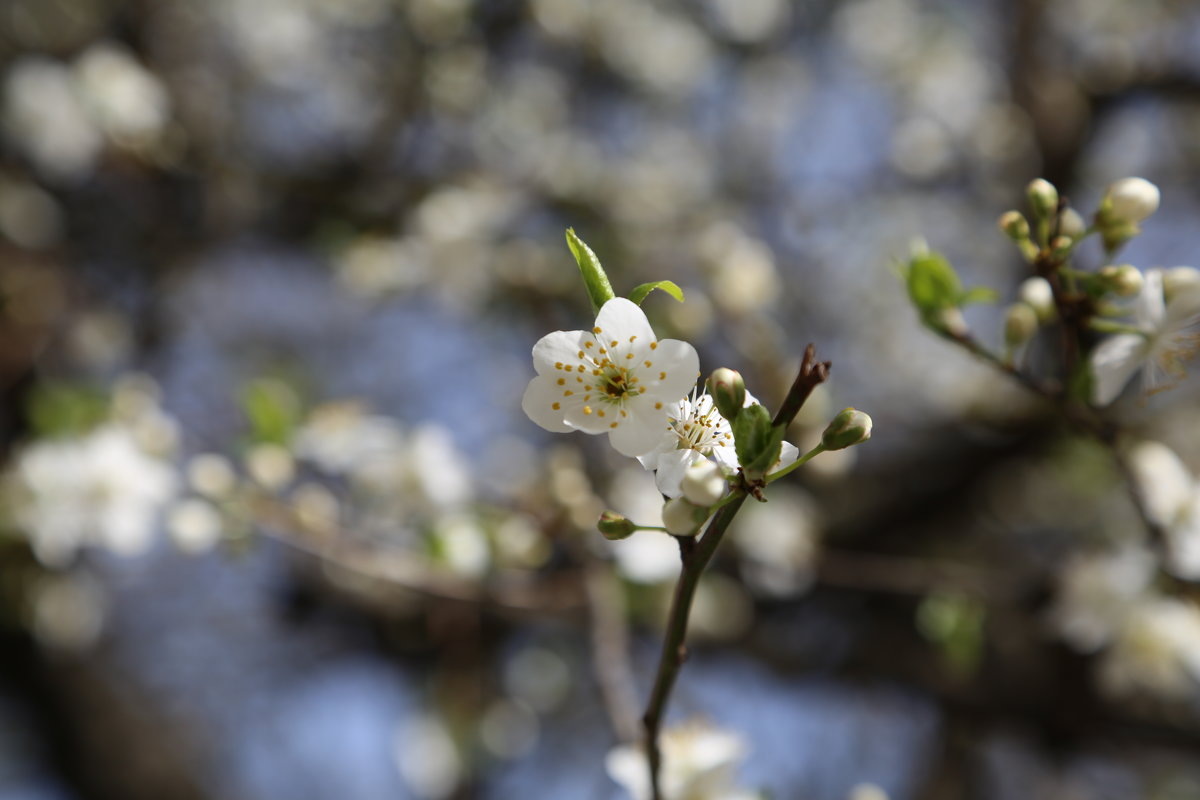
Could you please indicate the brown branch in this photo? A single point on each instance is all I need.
(694, 557)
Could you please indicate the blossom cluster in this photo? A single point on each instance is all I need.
(1117, 321)
(619, 379)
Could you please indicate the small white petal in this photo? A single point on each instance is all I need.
(637, 434)
(1165, 483)
(671, 467)
(1113, 363)
(1149, 309)
(538, 404)
(621, 316)
(681, 365)
(557, 348)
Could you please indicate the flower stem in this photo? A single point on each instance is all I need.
(799, 462)
(1108, 326)
(694, 554)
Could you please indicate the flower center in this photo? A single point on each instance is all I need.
(700, 428)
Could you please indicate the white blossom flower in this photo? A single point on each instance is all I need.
(1096, 592)
(341, 437)
(1164, 341)
(695, 431)
(1171, 497)
(698, 763)
(1157, 650)
(617, 378)
(101, 489)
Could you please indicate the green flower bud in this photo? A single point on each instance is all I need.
(1060, 246)
(615, 527)
(1070, 223)
(682, 518)
(1014, 225)
(1020, 324)
(1043, 197)
(728, 391)
(1123, 279)
(848, 428)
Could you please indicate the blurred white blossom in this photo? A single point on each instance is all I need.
(1166, 337)
(98, 489)
(699, 762)
(46, 118)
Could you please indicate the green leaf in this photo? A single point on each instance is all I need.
(955, 623)
(639, 293)
(599, 290)
(57, 409)
(756, 441)
(932, 283)
(272, 409)
(978, 294)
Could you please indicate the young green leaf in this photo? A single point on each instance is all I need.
(932, 283)
(639, 293)
(756, 441)
(599, 290)
(978, 294)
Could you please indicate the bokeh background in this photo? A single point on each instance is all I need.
(274, 525)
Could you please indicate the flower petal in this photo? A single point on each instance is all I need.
(1149, 309)
(1165, 483)
(554, 350)
(671, 467)
(539, 403)
(1183, 539)
(639, 432)
(621, 319)
(676, 367)
(787, 455)
(1113, 363)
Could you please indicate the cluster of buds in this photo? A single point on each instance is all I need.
(1056, 226)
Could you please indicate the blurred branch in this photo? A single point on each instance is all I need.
(561, 594)
(610, 648)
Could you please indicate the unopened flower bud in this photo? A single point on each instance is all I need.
(1070, 223)
(848, 428)
(1180, 279)
(1020, 324)
(683, 518)
(615, 527)
(952, 322)
(1060, 246)
(1014, 225)
(703, 483)
(1123, 279)
(1043, 197)
(728, 391)
(1131, 199)
(1038, 295)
